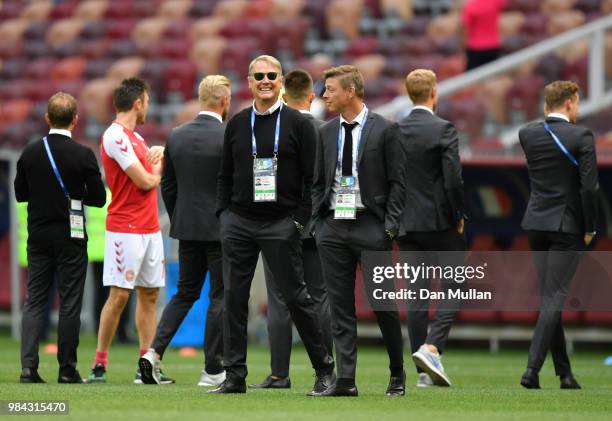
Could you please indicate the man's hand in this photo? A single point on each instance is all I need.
(588, 237)
(461, 226)
(155, 154)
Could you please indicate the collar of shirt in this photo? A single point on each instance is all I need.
(269, 110)
(63, 132)
(358, 119)
(422, 107)
(212, 114)
(558, 115)
(305, 112)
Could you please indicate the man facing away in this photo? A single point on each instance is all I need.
(432, 223)
(56, 176)
(299, 96)
(272, 143)
(134, 253)
(192, 158)
(560, 218)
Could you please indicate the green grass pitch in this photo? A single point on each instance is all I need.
(485, 388)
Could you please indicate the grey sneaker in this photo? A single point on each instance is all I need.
(431, 364)
(424, 380)
(211, 379)
(164, 379)
(149, 366)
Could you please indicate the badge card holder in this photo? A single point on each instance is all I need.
(346, 199)
(264, 179)
(264, 169)
(75, 207)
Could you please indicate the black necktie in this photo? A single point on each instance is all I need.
(347, 150)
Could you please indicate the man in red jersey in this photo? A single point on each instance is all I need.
(134, 253)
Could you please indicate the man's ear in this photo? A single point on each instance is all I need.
(47, 119)
(311, 97)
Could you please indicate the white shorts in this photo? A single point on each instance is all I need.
(132, 260)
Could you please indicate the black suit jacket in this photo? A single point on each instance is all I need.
(380, 166)
(189, 180)
(434, 186)
(35, 183)
(563, 197)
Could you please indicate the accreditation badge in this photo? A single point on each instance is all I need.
(77, 219)
(346, 199)
(264, 179)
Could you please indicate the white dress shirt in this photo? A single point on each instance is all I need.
(63, 132)
(212, 114)
(422, 107)
(558, 115)
(270, 110)
(356, 141)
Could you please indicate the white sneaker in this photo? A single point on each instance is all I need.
(150, 367)
(211, 379)
(431, 364)
(424, 380)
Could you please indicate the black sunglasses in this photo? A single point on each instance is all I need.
(259, 76)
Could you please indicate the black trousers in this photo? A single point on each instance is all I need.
(340, 244)
(279, 242)
(556, 257)
(195, 259)
(477, 58)
(279, 319)
(68, 259)
(423, 247)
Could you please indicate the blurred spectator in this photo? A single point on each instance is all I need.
(481, 27)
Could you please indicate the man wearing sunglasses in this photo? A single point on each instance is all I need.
(274, 145)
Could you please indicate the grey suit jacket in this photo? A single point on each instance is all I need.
(563, 197)
(189, 181)
(380, 166)
(434, 186)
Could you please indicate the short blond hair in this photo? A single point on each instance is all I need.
(268, 59)
(348, 76)
(559, 91)
(213, 88)
(419, 85)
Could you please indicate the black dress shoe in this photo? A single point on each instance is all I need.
(272, 383)
(30, 375)
(530, 379)
(75, 377)
(322, 383)
(230, 386)
(342, 387)
(397, 385)
(569, 382)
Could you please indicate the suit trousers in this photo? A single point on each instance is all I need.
(340, 244)
(279, 242)
(425, 247)
(556, 258)
(279, 319)
(68, 259)
(195, 259)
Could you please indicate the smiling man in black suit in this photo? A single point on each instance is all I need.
(358, 196)
(560, 218)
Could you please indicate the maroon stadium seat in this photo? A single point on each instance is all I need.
(39, 68)
(180, 77)
(524, 96)
(290, 34)
(96, 48)
(468, 114)
(361, 47)
(121, 28)
(69, 69)
(64, 9)
(578, 71)
(15, 110)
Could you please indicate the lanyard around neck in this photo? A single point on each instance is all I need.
(358, 141)
(55, 170)
(276, 132)
(560, 145)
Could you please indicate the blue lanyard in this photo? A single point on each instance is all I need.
(560, 145)
(276, 132)
(55, 170)
(358, 140)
